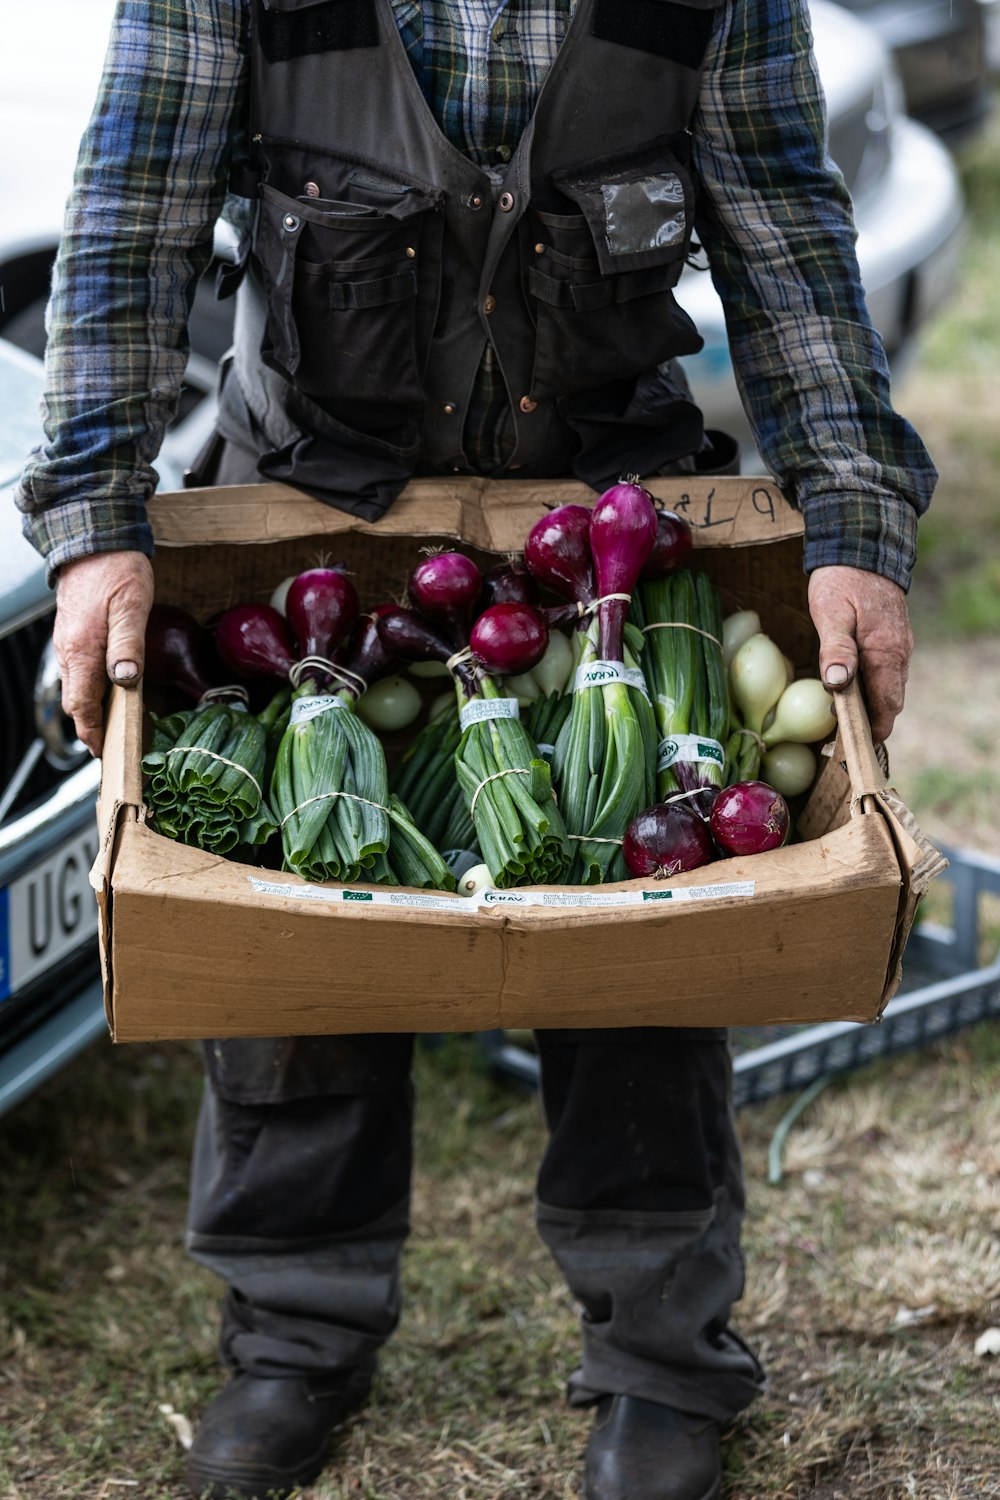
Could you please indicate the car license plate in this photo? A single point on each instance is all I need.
(46, 913)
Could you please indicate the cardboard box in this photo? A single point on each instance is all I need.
(197, 946)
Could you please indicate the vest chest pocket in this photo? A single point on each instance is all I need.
(600, 281)
(342, 281)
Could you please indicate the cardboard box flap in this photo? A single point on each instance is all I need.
(121, 768)
(119, 797)
(851, 773)
(920, 861)
(494, 515)
(854, 783)
(854, 743)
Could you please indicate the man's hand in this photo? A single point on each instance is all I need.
(102, 604)
(862, 618)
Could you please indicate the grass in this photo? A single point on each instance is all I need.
(872, 1269)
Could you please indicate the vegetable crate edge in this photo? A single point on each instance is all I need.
(194, 945)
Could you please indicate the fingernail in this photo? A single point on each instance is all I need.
(836, 676)
(125, 671)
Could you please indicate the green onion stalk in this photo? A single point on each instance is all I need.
(681, 618)
(424, 779)
(545, 717)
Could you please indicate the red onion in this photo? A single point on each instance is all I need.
(176, 651)
(508, 583)
(254, 639)
(509, 638)
(622, 534)
(665, 839)
(557, 553)
(671, 547)
(321, 606)
(749, 818)
(410, 637)
(367, 656)
(445, 588)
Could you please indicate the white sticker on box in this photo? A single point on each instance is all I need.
(692, 749)
(527, 896)
(488, 708)
(304, 709)
(359, 895)
(491, 897)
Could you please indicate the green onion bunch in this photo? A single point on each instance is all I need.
(681, 618)
(206, 770)
(507, 787)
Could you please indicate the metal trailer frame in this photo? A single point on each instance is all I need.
(945, 988)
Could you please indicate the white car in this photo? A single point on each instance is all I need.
(908, 208)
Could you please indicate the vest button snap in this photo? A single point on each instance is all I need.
(476, 201)
(411, 252)
(291, 222)
(506, 202)
(539, 249)
(449, 408)
(527, 405)
(489, 303)
(311, 189)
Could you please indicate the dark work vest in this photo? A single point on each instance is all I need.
(383, 260)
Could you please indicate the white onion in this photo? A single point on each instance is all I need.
(789, 768)
(390, 704)
(552, 672)
(758, 678)
(474, 880)
(736, 629)
(277, 600)
(803, 713)
(523, 687)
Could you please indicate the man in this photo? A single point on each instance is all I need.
(463, 225)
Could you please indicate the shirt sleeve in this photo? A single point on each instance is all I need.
(149, 185)
(776, 221)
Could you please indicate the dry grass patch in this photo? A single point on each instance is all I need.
(888, 1203)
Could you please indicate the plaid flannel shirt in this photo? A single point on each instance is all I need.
(774, 218)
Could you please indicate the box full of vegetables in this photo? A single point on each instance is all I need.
(514, 755)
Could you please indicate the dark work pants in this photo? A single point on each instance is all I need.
(300, 1187)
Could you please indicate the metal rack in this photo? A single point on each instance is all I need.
(945, 988)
